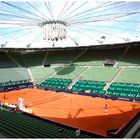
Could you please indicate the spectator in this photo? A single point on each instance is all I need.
(78, 132)
(4, 96)
(106, 109)
(15, 110)
(61, 130)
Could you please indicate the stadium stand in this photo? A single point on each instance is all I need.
(100, 73)
(5, 61)
(13, 74)
(62, 57)
(13, 82)
(41, 73)
(97, 57)
(19, 125)
(69, 72)
(18, 57)
(55, 83)
(28, 58)
(82, 68)
(132, 57)
(85, 64)
(124, 90)
(93, 86)
(129, 75)
(15, 85)
(34, 58)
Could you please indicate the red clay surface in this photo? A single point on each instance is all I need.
(78, 111)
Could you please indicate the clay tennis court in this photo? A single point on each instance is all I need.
(77, 111)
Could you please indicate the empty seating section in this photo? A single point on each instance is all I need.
(69, 72)
(124, 90)
(93, 86)
(97, 57)
(13, 74)
(55, 83)
(41, 73)
(18, 57)
(132, 57)
(129, 75)
(18, 125)
(100, 73)
(63, 56)
(34, 58)
(88, 65)
(6, 61)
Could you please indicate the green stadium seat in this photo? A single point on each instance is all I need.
(138, 96)
(56, 83)
(116, 93)
(123, 94)
(131, 95)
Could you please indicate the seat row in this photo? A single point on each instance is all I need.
(93, 86)
(125, 85)
(13, 83)
(55, 83)
(97, 87)
(18, 125)
(124, 94)
(124, 90)
(91, 82)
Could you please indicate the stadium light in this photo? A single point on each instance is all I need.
(126, 39)
(28, 45)
(4, 44)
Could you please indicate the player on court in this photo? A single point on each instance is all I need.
(106, 109)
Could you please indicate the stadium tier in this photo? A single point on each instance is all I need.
(124, 90)
(34, 58)
(78, 64)
(13, 74)
(54, 83)
(100, 73)
(6, 61)
(41, 73)
(29, 58)
(131, 57)
(69, 72)
(92, 86)
(13, 83)
(19, 125)
(97, 57)
(129, 75)
(62, 57)
(18, 57)
(73, 71)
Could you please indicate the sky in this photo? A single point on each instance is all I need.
(88, 22)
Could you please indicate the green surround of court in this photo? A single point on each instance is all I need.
(129, 75)
(13, 74)
(41, 73)
(69, 72)
(100, 73)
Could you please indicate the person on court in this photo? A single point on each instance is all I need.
(4, 96)
(106, 109)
